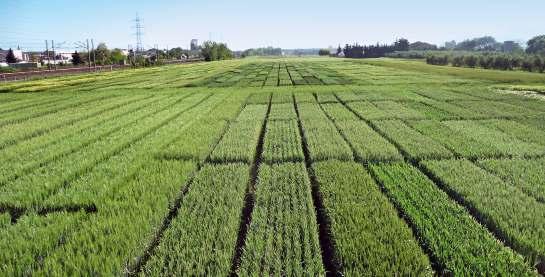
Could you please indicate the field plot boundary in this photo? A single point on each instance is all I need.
(19, 211)
(438, 183)
(327, 243)
(135, 268)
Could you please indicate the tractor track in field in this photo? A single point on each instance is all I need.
(330, 259)
(249, 198)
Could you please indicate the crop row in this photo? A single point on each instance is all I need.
(16, 104)
(506, 144)
(282, 142)
(323, 139)
(55, 107)
(197, 142)
(384, 110)
(528, 175)
(14, 133)
(31, 189)
(240, 141)
(368, 145)
(410, 141)
(170, 136)
(515, 217)
(370, 238)
(128, 207)
(201, 239)
(282, 236)
(41, 150)
(458, 243)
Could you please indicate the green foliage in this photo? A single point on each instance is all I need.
(217, 195)
(536, 45)
(283, 235)
(460, 144)
(324, 52)
(528, 175)
(10, 57)
(507, 145)
(384, 244)
(516, 217)
(282, 142)
(266, 51)
(76, 59)
(411, 141)
(95, 163)
(213, 51)
(459, 243)
(367, 144)
(384, 110)
(240, 141)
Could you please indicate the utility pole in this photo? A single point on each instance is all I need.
(47, 52)
(94, 54)
(156, 53)
(88, 54)
(54, 58)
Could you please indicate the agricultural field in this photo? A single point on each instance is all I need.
(274, 167)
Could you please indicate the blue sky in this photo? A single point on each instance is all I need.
(282, 23)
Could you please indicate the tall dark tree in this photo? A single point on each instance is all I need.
(10, 57)
(76, 59)
(401, 44)
(536, 45)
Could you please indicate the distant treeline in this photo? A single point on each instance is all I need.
(265, 51)
(357, 51)
(489, 60)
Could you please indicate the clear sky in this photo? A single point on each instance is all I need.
(282, 23)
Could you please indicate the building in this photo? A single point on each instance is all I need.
(194, 45)
(19, 55)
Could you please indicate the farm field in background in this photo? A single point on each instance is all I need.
(284, 167)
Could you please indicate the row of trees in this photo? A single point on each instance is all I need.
(265, 51)
(531, 63)
(374, 51)
(536, 45)
(214, 51)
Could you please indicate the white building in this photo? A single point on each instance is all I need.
(19, 55)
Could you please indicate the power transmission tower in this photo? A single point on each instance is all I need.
(139, 27)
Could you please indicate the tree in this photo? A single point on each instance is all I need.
(401, 44)
(176, 53)
(213, 51)
(76, 59)
(117, 56)
(486, 43)
(536, 45)
(339, 50)
(422, 46)
(102, 54)
(323, 52)
(10, 57)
